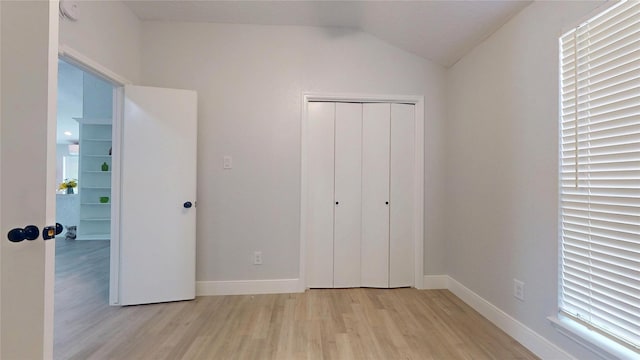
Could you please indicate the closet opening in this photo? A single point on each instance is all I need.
(362, 191)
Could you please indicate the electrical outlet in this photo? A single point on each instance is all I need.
(227, 162)
(257, 258)
(518, 289)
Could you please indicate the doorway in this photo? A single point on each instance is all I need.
(83, 201)
(314, 252)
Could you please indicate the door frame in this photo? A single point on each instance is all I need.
(418, 213)
(87, 64)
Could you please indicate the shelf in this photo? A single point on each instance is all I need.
(94, 237)
(95, 140)
(94, 121)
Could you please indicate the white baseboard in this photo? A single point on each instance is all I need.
(435, 282)
(530, 339)
(247, 287)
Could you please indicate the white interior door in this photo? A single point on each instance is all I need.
(348, 195)
(28, 84)
(320, 205)
(375, 195)
(401, 194)
(158, 176)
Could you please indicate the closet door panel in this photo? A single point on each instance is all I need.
(348, 195)
(402, 189)
(320, 206)
(375, 195)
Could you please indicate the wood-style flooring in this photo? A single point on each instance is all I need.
(317, 324)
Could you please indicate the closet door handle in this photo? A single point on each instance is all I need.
(337, 202)
(386, 203)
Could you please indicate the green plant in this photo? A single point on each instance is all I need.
(68, 183)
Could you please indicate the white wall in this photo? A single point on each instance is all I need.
(502, 165)
(249, 81)
(107, 32)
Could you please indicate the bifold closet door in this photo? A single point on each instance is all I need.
(348, 195)
(375, 195)
(320, 205)
(401, 195)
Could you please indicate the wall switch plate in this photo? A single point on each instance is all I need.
(518, 289)
(257, 258)
(227, 162)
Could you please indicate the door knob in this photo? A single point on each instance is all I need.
(16, 235)
(386, 203)
(30, 232)
(187, 205)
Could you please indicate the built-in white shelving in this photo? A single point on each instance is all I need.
(93, 182)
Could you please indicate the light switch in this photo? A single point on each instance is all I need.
(227, 162)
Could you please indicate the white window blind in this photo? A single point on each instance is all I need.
(600, 173)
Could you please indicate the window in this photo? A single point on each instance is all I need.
(600, 173)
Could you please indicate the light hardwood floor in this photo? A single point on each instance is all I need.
(317, 324)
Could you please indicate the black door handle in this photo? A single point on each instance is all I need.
(16, 235)
(50, 232)
(30, 232)
(59, 228)
(187, 205)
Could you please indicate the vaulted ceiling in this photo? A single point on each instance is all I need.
(441, 31)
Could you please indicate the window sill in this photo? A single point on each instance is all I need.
(592, 340)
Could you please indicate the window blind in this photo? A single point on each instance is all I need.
(600, 173)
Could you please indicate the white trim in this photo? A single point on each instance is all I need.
(530, 339)
(435, 282)
(50, 203)
(247, 287)
(418, 101)
(304, 128)
(363, 98)
(597, 343)
(85, 63)
(418, 212)
(116, 158)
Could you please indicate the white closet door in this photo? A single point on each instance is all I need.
(375, 195)
(320, 206)
(402, 187)
(348, 195)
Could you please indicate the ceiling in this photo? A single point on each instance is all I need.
(441, 31)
